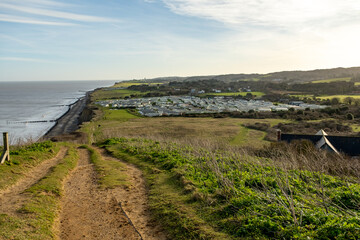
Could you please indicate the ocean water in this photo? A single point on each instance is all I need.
(21, 102)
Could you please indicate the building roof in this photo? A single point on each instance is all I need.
(324, 143)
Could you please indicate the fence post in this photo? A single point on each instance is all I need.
(6, 153)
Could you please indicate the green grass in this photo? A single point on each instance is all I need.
(249, 137)
(129, 83)
(341, 97)
(118, 115)
(222, 194)
(347, 79)
(173, 208)
(24, 158)
(357, 84)
(256, 94)
(35, 219)
(110, 173)
(355, 127)
(109, 118)
(114, 94)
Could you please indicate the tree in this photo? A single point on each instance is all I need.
(349, 100)
(335, 101)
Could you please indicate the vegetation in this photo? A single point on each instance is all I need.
(23, 158)
(244, 94)
(282, 193)
(110, 173)
(346, 79)
(112, 94)
(35, 219)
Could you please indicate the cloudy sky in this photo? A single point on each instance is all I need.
(127, 39)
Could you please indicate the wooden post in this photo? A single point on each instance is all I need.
(6, 153)
(278, 135)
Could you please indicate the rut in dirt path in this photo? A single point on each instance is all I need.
(13, 197)
(87, 211)
(134, 200)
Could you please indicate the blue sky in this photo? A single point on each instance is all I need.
(133, 39)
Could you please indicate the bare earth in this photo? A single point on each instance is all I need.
(91, 213)
(13, 197)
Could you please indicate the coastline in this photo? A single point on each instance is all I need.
(69, 121)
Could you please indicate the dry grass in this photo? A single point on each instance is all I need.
(186, 130)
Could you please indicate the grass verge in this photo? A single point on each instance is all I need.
(171, 206)
(110, 173)
(23, 158)
(35, 219)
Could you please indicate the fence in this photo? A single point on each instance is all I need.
(6, 153)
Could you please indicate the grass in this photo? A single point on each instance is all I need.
(346, 79)
(130, 83)
(113, 94)
(23, 158)
(229, 193)
(169, 203)
(357, 84)
(108, 119)
(110, 173)
(355, 127)
(324, 97)
(120, 123)
(341, 97)
(35, 219)
(249, 137)
(256, 94)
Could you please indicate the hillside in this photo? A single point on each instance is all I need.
(196, 176)
(287, 76)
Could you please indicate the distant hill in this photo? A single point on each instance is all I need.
(285, 76)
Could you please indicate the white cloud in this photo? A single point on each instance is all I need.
(268, 13)
(44, 12)
(17, 19)
(55, 14)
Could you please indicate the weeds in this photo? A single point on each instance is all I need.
(279, 193)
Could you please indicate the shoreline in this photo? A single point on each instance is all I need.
(69, 121)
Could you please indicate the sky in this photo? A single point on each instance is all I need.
(134, 39)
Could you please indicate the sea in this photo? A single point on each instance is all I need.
(24, 103)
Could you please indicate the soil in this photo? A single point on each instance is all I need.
(92, 213)
(13, 197)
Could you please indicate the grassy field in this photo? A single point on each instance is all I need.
(347, 79)
(257, 94)
(129, 83)
(341, 97)
(214, 178)
(357, 84)
(113, 94)
(324, 97)
(120, 123)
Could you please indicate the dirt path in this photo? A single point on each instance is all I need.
(133, 199)
(13, 197)
(91, 213)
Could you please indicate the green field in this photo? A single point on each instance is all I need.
(341, 97)
(113, 94)
(324, 97)
(357, 84)
(129, 83)
(256, 94)
(347, 79)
